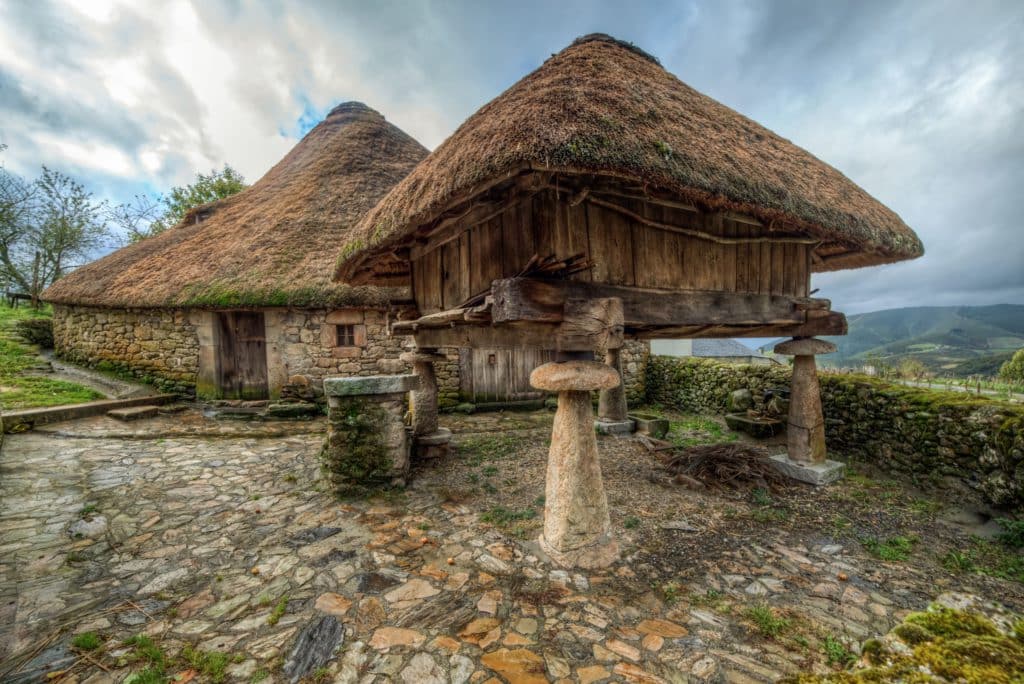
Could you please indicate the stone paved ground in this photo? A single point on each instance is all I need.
(215, 535)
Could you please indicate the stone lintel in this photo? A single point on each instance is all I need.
(574, 376)
(371, 384)
(804, 346)
(813, 473)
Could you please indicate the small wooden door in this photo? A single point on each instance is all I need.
(241, 355)
(500, 375)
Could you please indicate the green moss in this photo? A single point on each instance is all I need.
(355, 457)
(956, 646)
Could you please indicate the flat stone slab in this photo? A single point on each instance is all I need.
(652, 426)
(614, 427)
(441, 436)
(815, 474)
(21, 419)
(761, 428)
(134, 412)
(370, 384)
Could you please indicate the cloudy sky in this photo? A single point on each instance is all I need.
(921, 103)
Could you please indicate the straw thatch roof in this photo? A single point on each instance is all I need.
(273, 244)
(604, 108)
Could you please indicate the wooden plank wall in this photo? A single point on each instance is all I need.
(490, 375)
(624, 251)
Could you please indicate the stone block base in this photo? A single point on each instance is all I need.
(434, 445)
(649, 425)
(368, 444)
(600, 554)
(617, 427)
(813, 473)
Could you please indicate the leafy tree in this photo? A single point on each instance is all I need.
(1013, 370)
(207, 188)
(45, 228)
(912, 369)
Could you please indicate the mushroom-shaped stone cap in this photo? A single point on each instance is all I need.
(805, 346)
(574, 376)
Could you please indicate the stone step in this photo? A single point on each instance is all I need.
(134, 412)
(26, 419)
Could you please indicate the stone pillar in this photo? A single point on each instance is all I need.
(367, 441)
(612, 415)
(577, 530)
(431, 441)
(805, 428)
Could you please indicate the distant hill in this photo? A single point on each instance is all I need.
(951, 340)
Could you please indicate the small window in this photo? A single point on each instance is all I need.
(346, 335)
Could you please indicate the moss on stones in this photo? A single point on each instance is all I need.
(355, 457)
(939, 645)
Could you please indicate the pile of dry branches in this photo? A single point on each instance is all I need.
(731, 466)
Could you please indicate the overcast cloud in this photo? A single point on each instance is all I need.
(921, 103)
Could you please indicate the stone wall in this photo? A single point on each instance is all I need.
(634, 357)
(160, 346)
(929, 434)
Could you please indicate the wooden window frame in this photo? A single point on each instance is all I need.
(349, 335)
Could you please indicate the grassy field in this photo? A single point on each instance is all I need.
(20, 386)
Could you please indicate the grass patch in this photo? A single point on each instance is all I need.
(697, 430)
(20, 390)
(769, 623)
(212, 665)
(86, 641)
(631, 522)
(278, 612)
(503, 517)
(488, 447)
(891, 549)
(836, 653)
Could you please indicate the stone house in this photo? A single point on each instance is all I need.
(237, 301)
(721, 350)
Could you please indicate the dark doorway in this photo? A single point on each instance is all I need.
(241, 355)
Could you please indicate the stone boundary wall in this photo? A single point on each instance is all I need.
(929, 434)
(156, 345)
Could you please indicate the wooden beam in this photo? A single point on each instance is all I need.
(543, 301)
(545, 336)
(831, 323)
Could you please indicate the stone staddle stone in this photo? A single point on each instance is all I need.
(577, 529)
(574, 376)
(804, 346)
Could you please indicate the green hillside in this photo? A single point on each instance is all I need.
(950, 340)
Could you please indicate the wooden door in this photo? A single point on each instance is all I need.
(241, 355)
(500, 375)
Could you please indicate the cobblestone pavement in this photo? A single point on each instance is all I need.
(217, 536)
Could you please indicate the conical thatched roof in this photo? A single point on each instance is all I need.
(603, 107)
(273, 244)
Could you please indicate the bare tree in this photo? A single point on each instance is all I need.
(136, 218)
(45, 228)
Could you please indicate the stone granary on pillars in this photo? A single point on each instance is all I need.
(601, 199)
(237, 300)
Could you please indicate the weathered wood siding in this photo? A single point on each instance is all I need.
(499, 375)
(624, 252)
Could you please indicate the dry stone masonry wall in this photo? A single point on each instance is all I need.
(929, 434)
(157, 345)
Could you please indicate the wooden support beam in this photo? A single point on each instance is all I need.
(543, 301)
(829, 323)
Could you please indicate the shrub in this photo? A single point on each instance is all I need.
(1013, 370)
(36, 331)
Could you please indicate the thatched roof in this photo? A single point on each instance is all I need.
(273, 244)
(604, 108)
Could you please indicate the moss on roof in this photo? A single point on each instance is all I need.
(272, 244)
